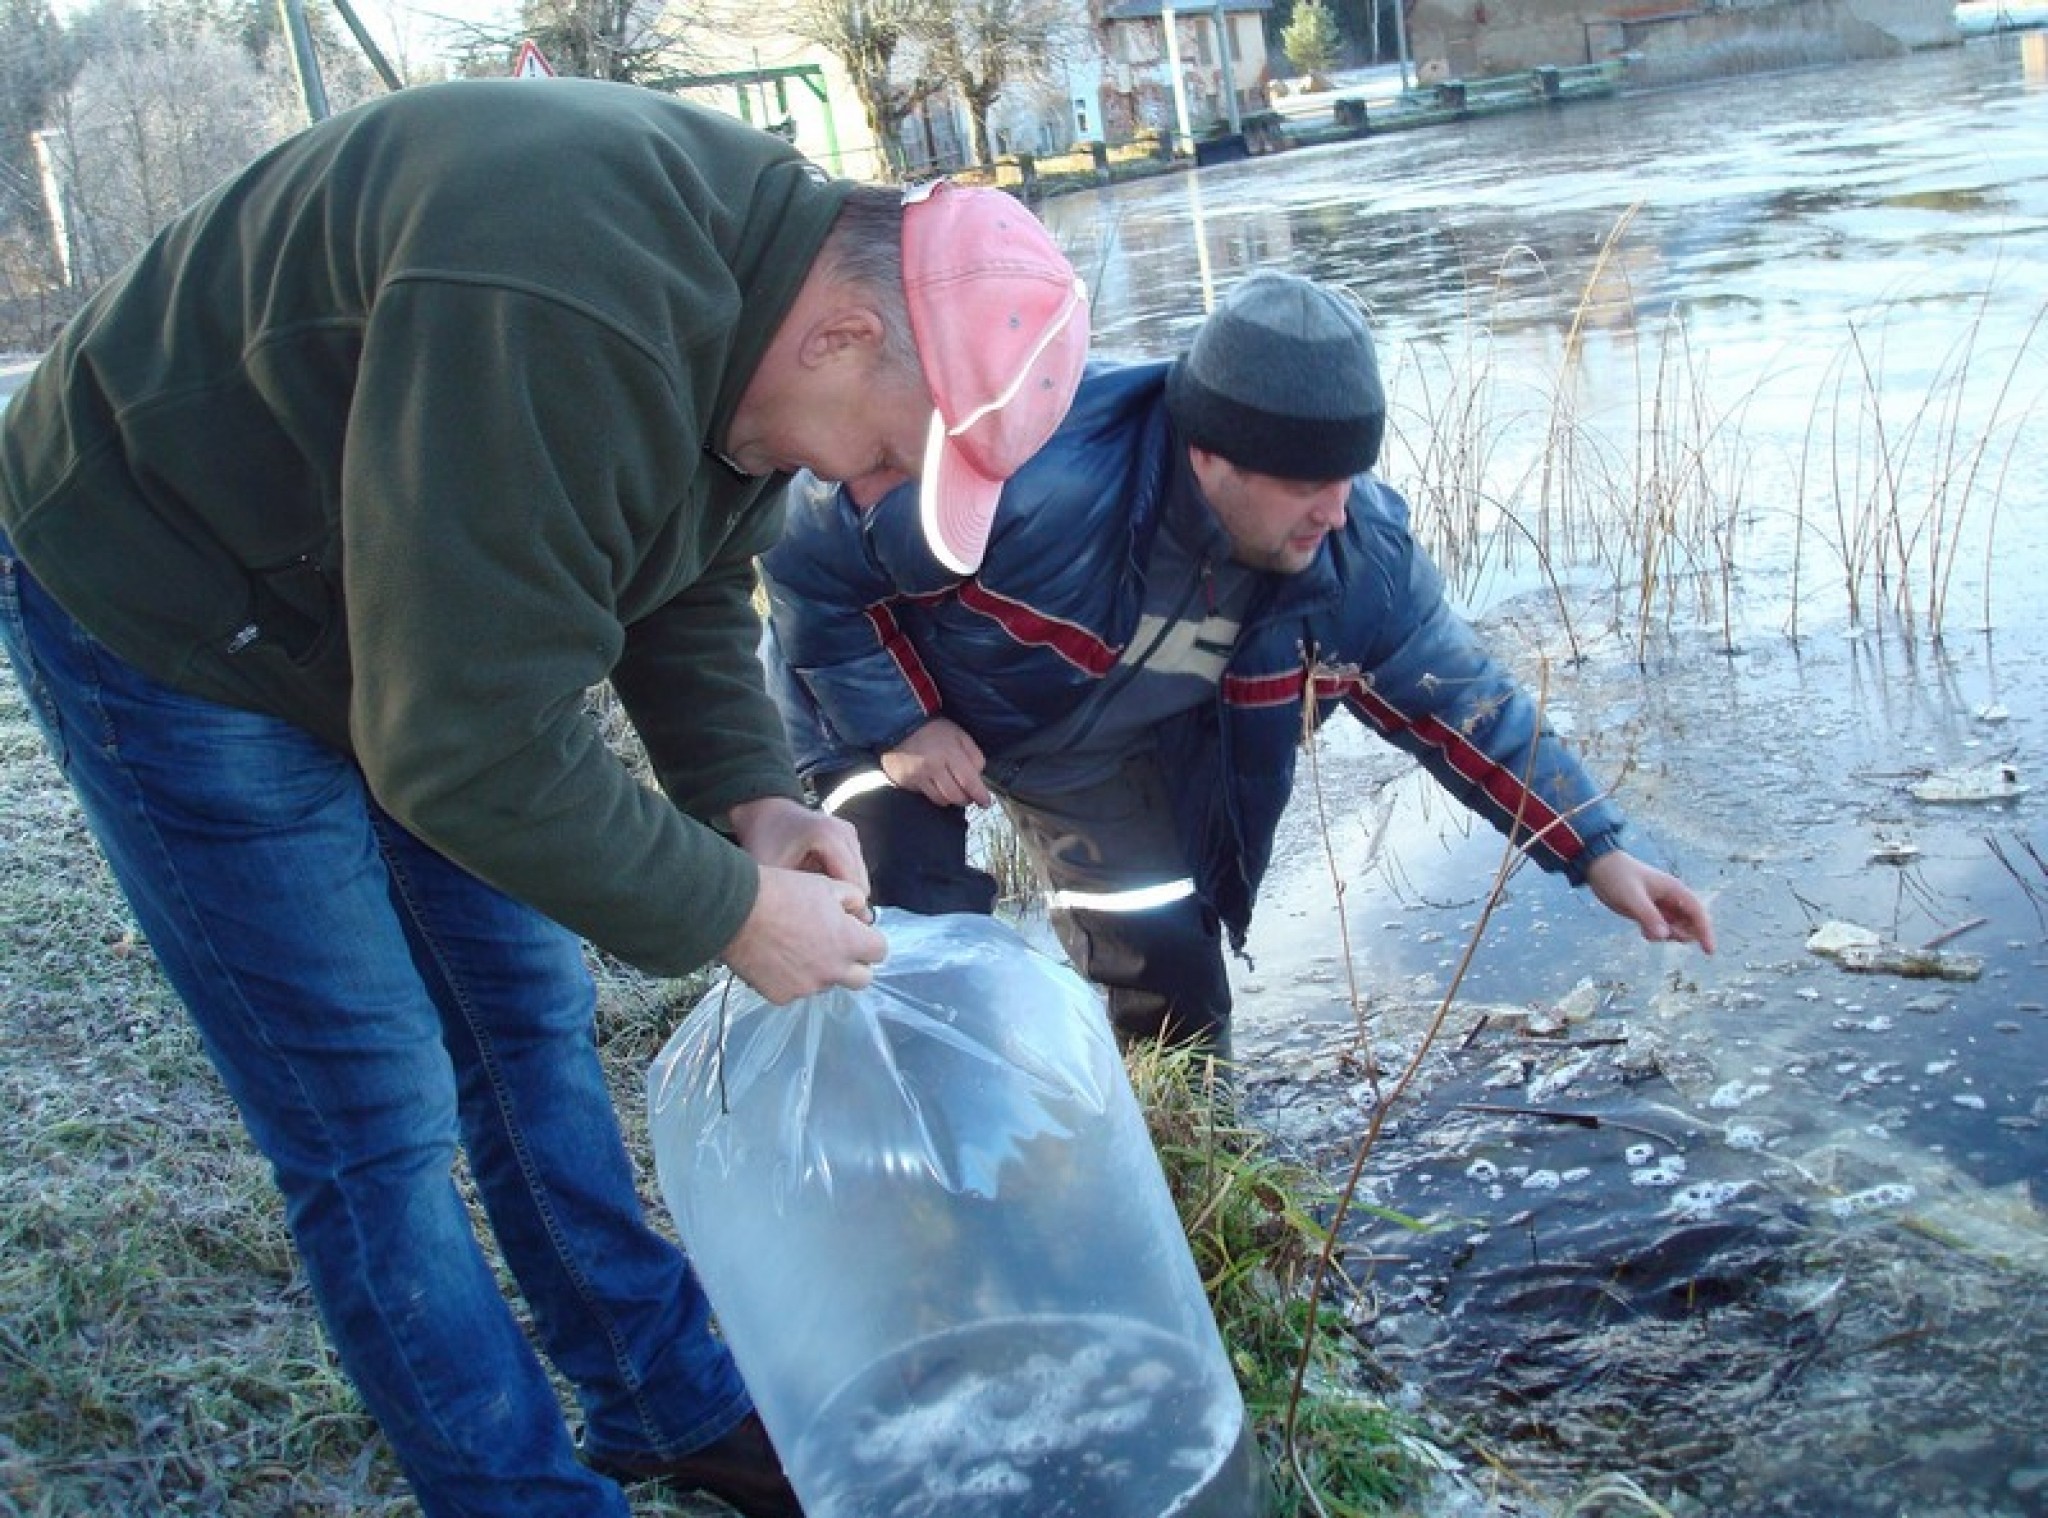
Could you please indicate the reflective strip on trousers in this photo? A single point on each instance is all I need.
(1138, 899)
(852, 786)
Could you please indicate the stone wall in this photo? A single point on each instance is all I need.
(1669, 43)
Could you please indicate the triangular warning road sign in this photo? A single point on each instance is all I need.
(530, 64)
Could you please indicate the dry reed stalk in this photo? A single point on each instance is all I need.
(1977, 456)
(1560, 450)
(1513, 855)
(1310, 707)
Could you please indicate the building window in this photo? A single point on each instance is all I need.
(1080, 118)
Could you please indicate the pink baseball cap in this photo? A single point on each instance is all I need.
(1000, 320)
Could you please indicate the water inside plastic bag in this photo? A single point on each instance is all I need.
(938, 1241)
(1042, 1417)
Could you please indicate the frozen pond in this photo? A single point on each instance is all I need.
(1765, 1233)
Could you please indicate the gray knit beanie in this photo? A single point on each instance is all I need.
(1282, 380)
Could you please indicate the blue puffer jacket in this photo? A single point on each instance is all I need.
(870, 637)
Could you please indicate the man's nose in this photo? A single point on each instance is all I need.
(1329, 509)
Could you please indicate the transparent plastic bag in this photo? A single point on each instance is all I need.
(940, 1245)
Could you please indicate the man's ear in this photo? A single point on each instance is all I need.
(1206, 466)
(842, 333)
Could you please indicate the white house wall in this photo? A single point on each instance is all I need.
(1117, 62)
(843, 144)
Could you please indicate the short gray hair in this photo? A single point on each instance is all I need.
(865, 248)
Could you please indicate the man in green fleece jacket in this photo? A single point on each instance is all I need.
(317, 527)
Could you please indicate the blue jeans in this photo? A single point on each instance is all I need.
(369, 1006)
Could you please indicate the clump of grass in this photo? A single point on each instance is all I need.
(994, 845)
(1252, 1223)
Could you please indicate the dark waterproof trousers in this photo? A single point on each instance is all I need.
(1117, 884)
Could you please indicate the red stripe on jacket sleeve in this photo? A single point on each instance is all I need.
(1073, 643)
(1501, 785)
(903, 653)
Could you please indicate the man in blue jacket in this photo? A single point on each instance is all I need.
(1199, 548)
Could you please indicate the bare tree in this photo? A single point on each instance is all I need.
(983, 45)
(644, 42)
(867, 38)
(35, 65)
(158, 115)
(120, 119)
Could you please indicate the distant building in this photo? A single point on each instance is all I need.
(1136, 91)
(793, 87)
(1110, 81)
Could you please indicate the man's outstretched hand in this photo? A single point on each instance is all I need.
(1662, 905)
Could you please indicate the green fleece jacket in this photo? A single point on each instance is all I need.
(407, 434)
